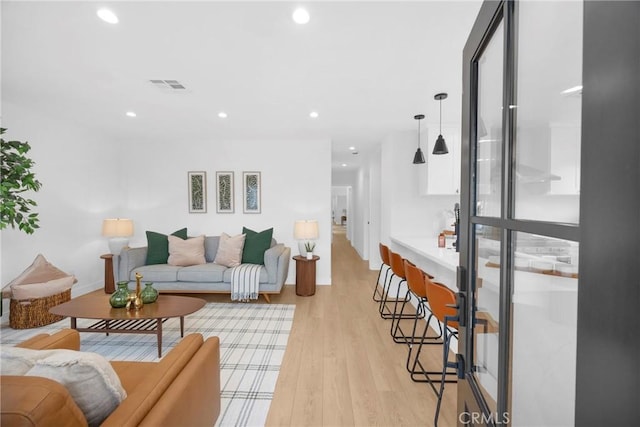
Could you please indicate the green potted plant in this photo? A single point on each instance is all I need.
(17, 178)
(309, 247)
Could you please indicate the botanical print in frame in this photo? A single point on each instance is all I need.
(251, 188)
(224, 192)
(197, 192)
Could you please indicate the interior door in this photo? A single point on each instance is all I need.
(520, 214)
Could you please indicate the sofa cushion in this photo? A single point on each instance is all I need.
(156, 273)
(255, 245)
(230, 250)
(39, 271)
(186, 252)
(211, 244)
(41, 290)
(89, 378)
(208, 272)
(158, 246)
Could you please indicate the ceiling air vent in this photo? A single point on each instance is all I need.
(168, 84)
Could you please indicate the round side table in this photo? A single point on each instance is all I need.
(305, 275)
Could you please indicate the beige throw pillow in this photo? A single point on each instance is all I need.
(186, 252)
(89, 377)
(41, 290)
(39, 271)
(230, 250)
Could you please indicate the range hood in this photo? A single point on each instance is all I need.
(527, 174)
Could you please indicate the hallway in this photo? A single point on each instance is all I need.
(341, 367)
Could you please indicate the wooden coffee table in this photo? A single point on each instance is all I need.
(147, 320)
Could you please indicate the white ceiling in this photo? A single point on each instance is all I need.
(366, 67)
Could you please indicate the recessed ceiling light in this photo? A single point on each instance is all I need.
(131, 114)
(344, 165)
(107, 16)
(352, 148)
(313, 114)
(222, 115)
(300, 16)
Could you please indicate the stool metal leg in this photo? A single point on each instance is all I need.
(445, 364)
(376, 290)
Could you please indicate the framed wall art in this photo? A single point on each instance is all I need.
(251, 189)
(197, 192)
(224, 192)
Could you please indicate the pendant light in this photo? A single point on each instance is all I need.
(419, 157)
(441, 145)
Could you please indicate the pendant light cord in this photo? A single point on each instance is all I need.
(441, 117)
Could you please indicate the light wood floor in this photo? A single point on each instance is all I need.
(341, 367)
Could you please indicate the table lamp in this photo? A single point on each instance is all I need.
(305, 231)
(118, 229)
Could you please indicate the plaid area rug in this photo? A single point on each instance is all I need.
(253, 339)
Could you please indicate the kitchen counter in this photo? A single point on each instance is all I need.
(425, 253)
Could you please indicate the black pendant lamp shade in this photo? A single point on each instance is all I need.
(418, 158)
(441, 145)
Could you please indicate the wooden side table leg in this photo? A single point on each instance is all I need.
(182, 326)
(109, 282)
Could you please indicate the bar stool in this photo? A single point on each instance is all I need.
(443, 302)
(417, 282)
(384, 256)
(397, 270)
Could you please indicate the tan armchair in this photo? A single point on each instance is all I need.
(181, 389)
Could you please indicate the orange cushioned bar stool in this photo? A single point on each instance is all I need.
(417, 283)
(380, 289)
(387, 311)
(443, 305)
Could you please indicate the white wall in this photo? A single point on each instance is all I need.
(88, 177)
(375, 208)
(296, 184)
(78, 169)
(405, 211)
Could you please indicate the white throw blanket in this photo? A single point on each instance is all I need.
(245, 280)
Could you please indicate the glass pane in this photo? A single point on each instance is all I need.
(487, 303)
(489, 131)
(544, 330)
(549, 88)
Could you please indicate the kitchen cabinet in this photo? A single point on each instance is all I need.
(441, 174)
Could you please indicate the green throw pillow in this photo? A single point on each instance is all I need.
(158, 246)
(255, 245)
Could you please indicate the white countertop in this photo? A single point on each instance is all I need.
(428, 248)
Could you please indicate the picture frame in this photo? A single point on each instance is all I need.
(225, 194)
(251, 192)
(197, 191)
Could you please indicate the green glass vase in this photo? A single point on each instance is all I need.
(149, 294)
(120, 297)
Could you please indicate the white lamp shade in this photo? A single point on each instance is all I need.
(305, 229)
(117, 227)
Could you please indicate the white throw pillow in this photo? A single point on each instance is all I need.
(230, 250)
(41, 290)
(186, 252)
(89, 377)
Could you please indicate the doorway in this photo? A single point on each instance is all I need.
(538, 188)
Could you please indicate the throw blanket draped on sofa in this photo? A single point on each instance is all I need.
(245, 279)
